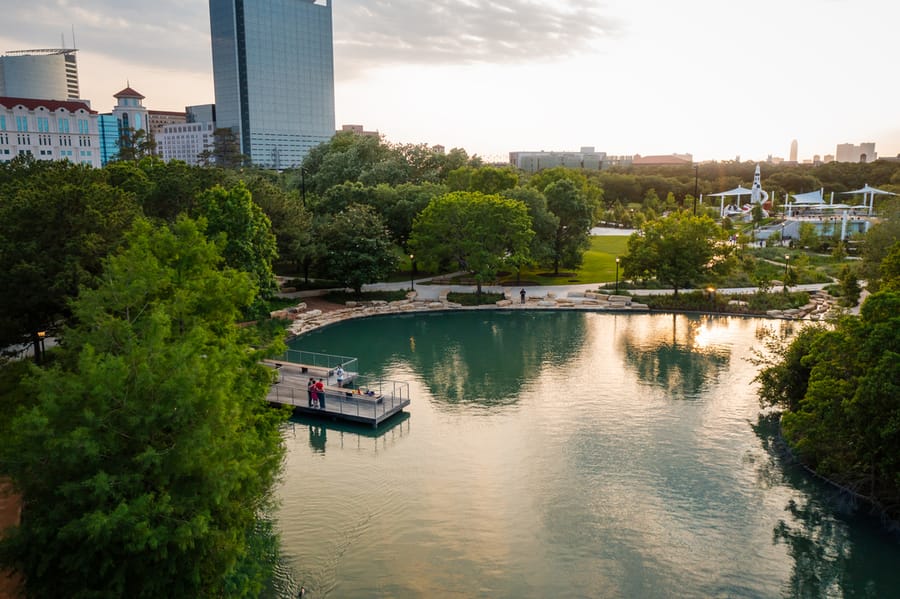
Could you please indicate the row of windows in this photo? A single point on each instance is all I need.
(24, 139)
(43, 124)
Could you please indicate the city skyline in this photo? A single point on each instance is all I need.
(626, 77)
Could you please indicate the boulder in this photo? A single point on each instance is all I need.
(504, 303)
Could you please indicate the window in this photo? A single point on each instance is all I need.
(21, 123)
(83, 126)
(63, 125)
(2, 123)
(43, 124)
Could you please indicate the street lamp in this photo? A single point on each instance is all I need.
(412, 270)
(712, 298)
(696, 174)
(787, 261)
(617, 275)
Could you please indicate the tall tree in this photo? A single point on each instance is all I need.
(57, 223)
(358, 248)
(135, 144)
(476, 232)
(678, 250)
(575, 214)
(150, 453)
(249, 244)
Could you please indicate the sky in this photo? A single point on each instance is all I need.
(713, 78)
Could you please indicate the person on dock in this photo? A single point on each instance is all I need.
(522, 295)
(320, 391)
(339, 373)
(311, 390)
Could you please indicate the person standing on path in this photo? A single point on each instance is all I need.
(310, 390)
(320, 391)
(522, 295)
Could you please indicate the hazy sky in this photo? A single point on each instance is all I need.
(714, 78)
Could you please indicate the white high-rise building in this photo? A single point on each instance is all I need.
(42, 74)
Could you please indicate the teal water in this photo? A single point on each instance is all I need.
(566, 454)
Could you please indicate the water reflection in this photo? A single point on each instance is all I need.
(831, 538)
(472, 357)
(681, 356)
(344, 435)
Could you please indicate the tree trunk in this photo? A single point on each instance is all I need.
(38, 348)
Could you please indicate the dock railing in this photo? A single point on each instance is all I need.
(387, 398)
(324, 362)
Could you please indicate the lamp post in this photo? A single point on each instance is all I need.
(787, 261)
(696, 175)
(412, 270)
(712, 298)
(617, 275)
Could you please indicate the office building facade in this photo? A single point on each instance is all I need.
(273, 68)
(46, 74)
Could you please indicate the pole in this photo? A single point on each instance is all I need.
(303, 185)
(787, 259)
(412, 269)
(617, 276)
(696, 175)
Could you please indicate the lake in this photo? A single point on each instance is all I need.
(566, 454)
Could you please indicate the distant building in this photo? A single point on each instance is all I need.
(157, 119)
(864, 152)
(47, 74)
(359, 130)
(532, 162)
(664, 160)
(49, 130)
(794, 151)
(185, 141)
(273, 69)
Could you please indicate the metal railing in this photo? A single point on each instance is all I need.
(387, 397)
(326, 362)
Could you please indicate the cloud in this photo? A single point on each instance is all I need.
(174, 34)
(370, 33)
(167, 33)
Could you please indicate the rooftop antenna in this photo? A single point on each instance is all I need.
(74, 47)
(62, 37)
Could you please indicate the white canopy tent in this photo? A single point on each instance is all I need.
(736, 192)
(868, 193)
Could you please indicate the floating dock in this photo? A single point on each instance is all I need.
(353, 400)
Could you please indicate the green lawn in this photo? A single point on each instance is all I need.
(599, 265)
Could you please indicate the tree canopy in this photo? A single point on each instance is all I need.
(150, 453)
(677, 250)
(358, 248)
(475, 232)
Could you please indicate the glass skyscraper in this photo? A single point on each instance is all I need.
(273, 66)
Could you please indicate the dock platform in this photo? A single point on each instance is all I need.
(354, 400)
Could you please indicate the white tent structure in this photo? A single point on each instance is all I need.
(868, 193)
(737, 192)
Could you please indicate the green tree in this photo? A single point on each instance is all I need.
(478, 233)
(543, 222)
(807, 236)
(249, 244)
(57, 223)
(358, 248)
(135, 144)
(225, 152)
(483, 179)
(850, 289)
(291, 222)
(150, 453)
(575, 214)
(678, 250)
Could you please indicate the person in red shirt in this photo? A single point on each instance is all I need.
(320, 391)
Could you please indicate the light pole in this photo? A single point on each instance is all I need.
(712, 298)
(617, 275)
(696, 174)
(787, 261)
(412, 270)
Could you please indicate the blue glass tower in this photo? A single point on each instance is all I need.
(273, 67)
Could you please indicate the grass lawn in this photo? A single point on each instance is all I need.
(599, 265)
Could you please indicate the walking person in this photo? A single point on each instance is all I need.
(320, 391)
(339, 373)
(522, 295)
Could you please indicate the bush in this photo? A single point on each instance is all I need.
(342, 297)
(473, 299)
